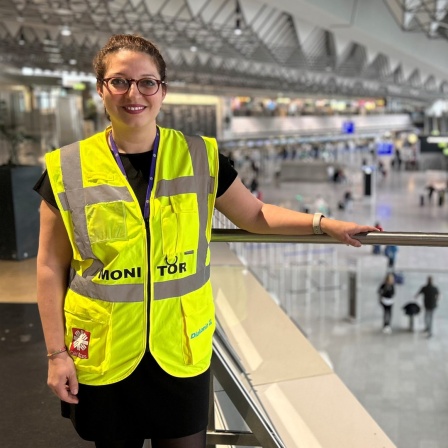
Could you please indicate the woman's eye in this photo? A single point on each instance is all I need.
(118, 82)
(147, 82)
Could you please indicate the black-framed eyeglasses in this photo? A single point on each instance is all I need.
(120, 86)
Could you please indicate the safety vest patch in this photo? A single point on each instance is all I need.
(80, 343)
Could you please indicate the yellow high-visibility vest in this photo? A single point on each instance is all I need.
(106, 304)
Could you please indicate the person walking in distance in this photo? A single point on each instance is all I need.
(430, 300)
(386, 293)
(391, 253)
(123, 268)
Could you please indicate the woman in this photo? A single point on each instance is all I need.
(123, 266)
(386, 293)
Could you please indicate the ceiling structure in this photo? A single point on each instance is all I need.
(231, 44)
(426, 16)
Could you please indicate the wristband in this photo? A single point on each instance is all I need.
(61, 350)
(316, 223)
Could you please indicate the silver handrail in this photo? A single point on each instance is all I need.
(380, 238)
(262, 434)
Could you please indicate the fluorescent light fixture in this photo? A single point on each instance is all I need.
(437, 139)
(65, 31)
(237, 29)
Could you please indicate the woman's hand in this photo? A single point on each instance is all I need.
(53, 265)
(343, 231)
(249, 213)
(62, 378)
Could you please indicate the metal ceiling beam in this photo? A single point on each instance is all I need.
(269, 49)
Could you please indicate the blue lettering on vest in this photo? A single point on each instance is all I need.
(197, 333)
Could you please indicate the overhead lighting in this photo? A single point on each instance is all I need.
(193, 49)
(72, 61)
(65, 31)
(22, 40)
(237, 29)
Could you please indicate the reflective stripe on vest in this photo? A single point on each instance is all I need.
(76, 197)
(199, 160)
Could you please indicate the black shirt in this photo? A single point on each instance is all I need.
(430, 296)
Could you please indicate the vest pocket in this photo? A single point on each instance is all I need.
(87, 338)
(106, 221)
(198, 327)
(180, 224)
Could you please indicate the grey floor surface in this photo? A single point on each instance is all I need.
(401, 378)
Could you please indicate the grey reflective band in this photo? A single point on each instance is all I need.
(199, 184)
(72, 179)
(181, 286)
(71, 200)
(176, 186)
(64, 202)
(76, 197)
(180, 185)
(108, 293)
(93, 269)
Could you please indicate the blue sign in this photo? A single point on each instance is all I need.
(348, 127)
(384, 148)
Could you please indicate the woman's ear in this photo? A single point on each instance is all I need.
(99, 89)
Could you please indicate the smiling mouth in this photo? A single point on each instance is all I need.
(134, 108)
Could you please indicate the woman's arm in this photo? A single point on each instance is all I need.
(53, 264)
(251, 214)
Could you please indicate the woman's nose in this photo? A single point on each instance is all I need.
(133, 89)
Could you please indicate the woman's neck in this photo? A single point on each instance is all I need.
(134, 141)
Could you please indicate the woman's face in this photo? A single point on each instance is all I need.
(131, 110)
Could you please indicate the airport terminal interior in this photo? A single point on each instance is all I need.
(332, 106)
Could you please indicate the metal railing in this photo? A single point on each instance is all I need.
(380, 238)
(262, 433)
(227, 371)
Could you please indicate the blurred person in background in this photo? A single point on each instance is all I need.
(430, 295)
(386, 293)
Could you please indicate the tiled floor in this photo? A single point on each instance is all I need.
(29, 415)
(401, 378)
